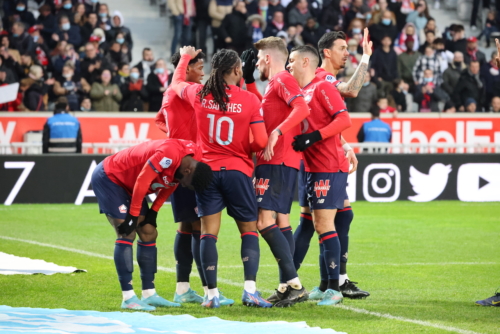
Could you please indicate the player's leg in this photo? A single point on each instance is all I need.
(210, 226)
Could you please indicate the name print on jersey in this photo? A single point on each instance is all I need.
(231, 107)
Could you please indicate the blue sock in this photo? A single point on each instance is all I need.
(322, 268)
(281, 251)
(183, 256)
(343, 220)
(209, 258)
(302, 238)
(250, 254)
(195, 249)
(288, 234)
(146, 257)
(124, 262)
(331, 245)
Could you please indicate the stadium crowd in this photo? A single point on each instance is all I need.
(82, 50)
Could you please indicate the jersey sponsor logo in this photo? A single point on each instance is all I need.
(122, 208)
(170, 184)
(165, 162)
(130, 136)
(261, 186)
(283, 86)
(330, 78)
(327, 99)
(321, 188)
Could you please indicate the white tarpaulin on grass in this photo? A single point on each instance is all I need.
(12, 265)
(60, 321)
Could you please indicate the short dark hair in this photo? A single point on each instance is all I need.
(202, 177)
(327, 40)
(375, 110)
(122, 64)
(438, 40)
(146, 49)
(307, 49)
(176, 58)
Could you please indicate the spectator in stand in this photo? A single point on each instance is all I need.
(67, 10)
(86, 105)
(116, 55)
(93, 64)
(21, 15)
(79, 18)
(312, 32)
(217, 10)
(375, 131)
(444, 56)
(9, 76)
(71, 87)
(385, 63)
(473, 52)
(490, 76)
(27, 61)
(69, 55)
(105, 95)
(470, 105)
(427, 61)
(428, 94)
(122, 77)
(276, 25)
(469, 86)
(46, 22)
(495, 104)
(408, 30)
(357, 10)
(458, 41)
(91, 6)
(429, 39)
(386, 105)
(233, 29)
(201, 22)
(67, 32)
(300, 13)
(332, 18)
(255, 30)
(489, 27)
(135, 92)
(399, 94)
(261, 8)
(59, 50)
(34, 90)
(21, 40)
(157, 85)
(146, 65)
(5, 43)
(275, 6)
(419, 16)
(355, 29)
(98, 37)
(182, 14)
(401, 8)
(41, 49)
(386, 27)
(353, 60)
(367, 97)
(118, 27)
(62, 132)
(104, 18)
(378, 9)
(430, 26)
(89, 26)
(453, 72)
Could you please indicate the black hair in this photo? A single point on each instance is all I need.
(223, 62)
(176, 58)
(202, 177)
(121, 65)
(61, 105)
(375, 110)
(306, 49)
(438, 41)
(63, 17)
(327, 40)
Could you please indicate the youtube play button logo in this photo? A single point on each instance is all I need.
(479, 182)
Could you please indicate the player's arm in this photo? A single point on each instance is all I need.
(179, 79)
(352, 87)
(252, 88)
(259, 133)
(248, 61)
(350, 155)
(160, 121)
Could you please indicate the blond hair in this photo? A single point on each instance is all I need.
(272, 43)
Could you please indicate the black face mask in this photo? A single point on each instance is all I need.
(457, 64)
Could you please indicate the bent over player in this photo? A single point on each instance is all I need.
(325, 163)
(225, 115)
(121, 182)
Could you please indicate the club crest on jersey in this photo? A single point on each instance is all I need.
(122, 208)
(165, 162)
(330, 78)
(308, 98)
(261, 186)
(321, 188)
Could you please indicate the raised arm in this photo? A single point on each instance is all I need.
(179, 79)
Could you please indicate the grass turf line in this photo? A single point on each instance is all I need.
(400, 232)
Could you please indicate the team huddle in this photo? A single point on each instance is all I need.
(213, 131)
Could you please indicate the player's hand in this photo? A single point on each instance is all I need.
(302, 142)
(129, 225)
(150, 218)
(189, 50)
(248, 60)
(351, 157)
(271, 142)
(367, 46)
(497, 58)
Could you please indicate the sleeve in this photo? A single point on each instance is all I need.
(332, 102)
(257, 128)
(252, 88)
(299, 112)
(146, 176)
(190, 93)
(179, 83)
(162, 196)
(288, 88)
(160, 121)
(166, 156)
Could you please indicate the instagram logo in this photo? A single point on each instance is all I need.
(381, 183)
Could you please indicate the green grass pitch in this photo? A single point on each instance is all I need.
(423, 263)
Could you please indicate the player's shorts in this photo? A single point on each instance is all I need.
(114, 201)
(230, 189)
(275, 187)
(326, 190)
(302, 185)
(184, 205)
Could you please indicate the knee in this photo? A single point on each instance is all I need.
(305, 209)
(148, 233)
(185, 227)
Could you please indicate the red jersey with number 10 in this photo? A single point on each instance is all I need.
(224, 136)
(324, 100)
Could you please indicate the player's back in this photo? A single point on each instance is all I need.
(281, 90)
(180, 120)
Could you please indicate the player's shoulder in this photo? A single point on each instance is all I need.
(326, 76)
(323, 85)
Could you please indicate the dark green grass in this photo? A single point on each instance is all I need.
(389, 244)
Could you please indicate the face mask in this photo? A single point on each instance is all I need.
(356, 30)
(264, 8)
(35, 38)
(405, 92)
(494, 71)
(68, 75)
(159, 70)
(427, 80)
(368, 16)
(366, 84)
(457, 64)
(66, 26)
(134, 76)
(120, 40)
(84, 109)
(20, 8)
(386, 22)
(103, 15)
(15, 35)
(95, 1)
(67, 6)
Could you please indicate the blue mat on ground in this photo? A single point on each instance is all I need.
(61, 321)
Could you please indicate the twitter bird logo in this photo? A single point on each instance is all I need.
(429, 186)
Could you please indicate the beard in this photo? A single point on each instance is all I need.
(263, 76)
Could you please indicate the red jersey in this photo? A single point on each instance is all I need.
(224, 136)
(281, 90)
(164, 156)
(178, 117)
(327, 76)
(325, 102)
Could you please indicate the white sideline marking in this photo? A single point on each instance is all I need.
(229, 282)
(384, 264)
